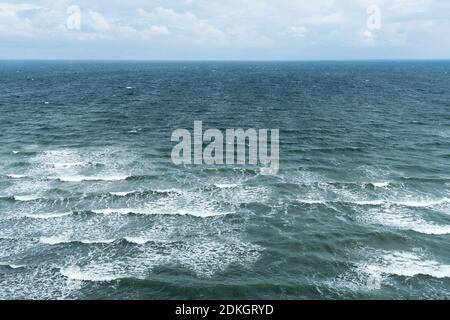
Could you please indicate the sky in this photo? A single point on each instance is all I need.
(225, 30)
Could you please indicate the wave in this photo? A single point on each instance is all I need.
(12, 266)
(122, 194)
(198, 213)
(62, 240)
(422, 203)
(75, 273)
(16, 176)
(405, 221)
(70, 164)
(354, 202)
(426, 179)
(48, 215)
(407, 264)
(384, 202)
(226, 185)
(140, 240)
(26, 198)
(159, 211)
(380, 184)
(157, 191)
(88, 178)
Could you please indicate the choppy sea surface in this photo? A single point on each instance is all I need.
(91, 205)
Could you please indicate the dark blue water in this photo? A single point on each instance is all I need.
(91, 205)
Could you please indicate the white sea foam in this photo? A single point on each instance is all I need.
(12, 266)
(62, 240)
(419, 203)
(138, 240)
(26, 198)
(312, 201)
(120, 211)
(226, 185)
(89, 178)
(122, 194)
(406, 264)
(368, 202)
(203, 257)
(15, 152)
(75, 273)
(405, 221)
(16, 176)
(196, 212)
(381, 184)
(175, 191)
(356, 202)
(48, 215)
(53, 240)
(422, 203)
(96, 241)
(69, 164)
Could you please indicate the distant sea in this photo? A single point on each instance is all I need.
(91, 206)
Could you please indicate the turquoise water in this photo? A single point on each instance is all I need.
(91, 205)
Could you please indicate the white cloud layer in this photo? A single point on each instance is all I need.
(232, 29)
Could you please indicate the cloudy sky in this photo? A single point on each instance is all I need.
(226, 29)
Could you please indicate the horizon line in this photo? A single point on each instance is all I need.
(227, 60)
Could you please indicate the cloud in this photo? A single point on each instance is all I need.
(246, 29)
(98, 21)
(11, 24)
(159, 30)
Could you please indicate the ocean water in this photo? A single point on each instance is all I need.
(91, 205)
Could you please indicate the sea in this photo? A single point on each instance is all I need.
(92, 207)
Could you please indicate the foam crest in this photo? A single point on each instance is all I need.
(406, 264)
(89, 178)
(26, 198)
(48, 215)
(76, 273)
(405, 221)
(16, 176)
(196, 212)
(63, 240)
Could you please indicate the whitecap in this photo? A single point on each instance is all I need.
(75, 273)
(26, 198)
(122, 194)
(168, 191)
(16, 176)
(12, 266)
(406, 264)
(202, 213)
(89, 178)
(138, 240)
(48, 215)
(368, 202)
(381, 184)
(404, 221)
(69, 164)
(422, 203)
(225, 185)
(96, 241)
(53, 240)
(311, 201)
(62, 240)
